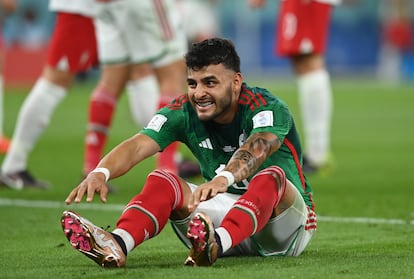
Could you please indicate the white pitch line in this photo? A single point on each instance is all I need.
(119, 207)
(364, 220)
(55, 204)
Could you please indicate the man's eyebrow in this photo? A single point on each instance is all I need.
(204, 79)
(208, 78)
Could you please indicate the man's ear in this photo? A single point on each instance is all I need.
(237, 81)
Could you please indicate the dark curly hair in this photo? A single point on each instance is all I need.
(213, 51)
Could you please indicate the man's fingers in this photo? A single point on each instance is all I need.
(193, 201)
(90, 193)
(88, 188)
(71, 196)
(80, 193)
(205, 193)
(199, 195)
(213, 193)
(103, 194)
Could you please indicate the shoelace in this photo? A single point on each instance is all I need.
(106, 228)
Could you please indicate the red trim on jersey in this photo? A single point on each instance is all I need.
(163, 19)
(178, 102)
(243, 102)
(259, 95)
(297, 161)
(298, 166)
(251, 99)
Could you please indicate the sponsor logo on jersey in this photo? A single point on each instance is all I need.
(206, 144)
(229, 148)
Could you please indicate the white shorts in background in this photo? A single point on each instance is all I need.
(285, 235)
(196, 22)
(135, 32)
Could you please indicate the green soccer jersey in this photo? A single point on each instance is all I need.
(213, 144)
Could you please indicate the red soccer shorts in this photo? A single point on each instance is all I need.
(302, 27)
(73, 44)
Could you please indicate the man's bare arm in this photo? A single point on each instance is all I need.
(252, 154)
(242, 164)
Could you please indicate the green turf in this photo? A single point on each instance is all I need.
(372, 141)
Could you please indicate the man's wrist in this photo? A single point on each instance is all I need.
(229, 176)
(105, 172)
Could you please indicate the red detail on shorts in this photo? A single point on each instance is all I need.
(311, 221)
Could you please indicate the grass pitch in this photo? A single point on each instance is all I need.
(365, 229)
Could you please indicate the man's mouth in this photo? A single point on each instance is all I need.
(204, 104)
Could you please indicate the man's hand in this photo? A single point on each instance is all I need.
(93, 183)
(207, 191)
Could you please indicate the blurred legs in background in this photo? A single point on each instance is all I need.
(72, 49)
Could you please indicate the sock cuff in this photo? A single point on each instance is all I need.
(126, 238)
(103, 95)
(142, 83)
(225, 239)
(44, 85)
(311, 76)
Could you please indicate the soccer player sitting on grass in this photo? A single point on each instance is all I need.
(255, 199)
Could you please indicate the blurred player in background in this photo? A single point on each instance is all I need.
(397, 20)
(203, 26)
(301, 32)
(255, 199)
(72, 49)
(197, 28)
(6, 7)
(135, 40)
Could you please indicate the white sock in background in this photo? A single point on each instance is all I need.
(143, 97)
(34, 117)
(315, 98)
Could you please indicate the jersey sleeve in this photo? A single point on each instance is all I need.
(274, 118)
(165, 127)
